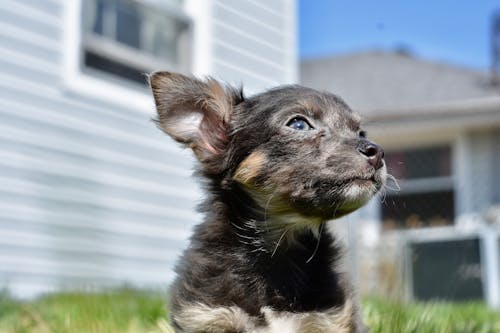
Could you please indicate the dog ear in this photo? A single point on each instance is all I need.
(194, 112)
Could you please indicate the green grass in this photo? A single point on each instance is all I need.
(117, 311)
(472, 317)
(132, 311)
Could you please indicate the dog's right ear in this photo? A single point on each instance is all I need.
(194, 112)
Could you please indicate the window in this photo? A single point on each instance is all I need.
(447, 269)
(123, 39)
(426, 197)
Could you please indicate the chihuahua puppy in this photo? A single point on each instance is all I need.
(277, 166)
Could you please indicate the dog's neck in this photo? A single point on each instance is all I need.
(298, 265)
(254, 224)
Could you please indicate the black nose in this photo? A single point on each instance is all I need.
(374, 153)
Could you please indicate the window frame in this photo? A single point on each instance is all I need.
(105, 86)
(425, 184)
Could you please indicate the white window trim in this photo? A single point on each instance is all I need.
(78, 82)
(425, 185)
(202, 34)
(432, 183)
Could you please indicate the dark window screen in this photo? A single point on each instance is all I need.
(415, 210)
(425, 205)
(419, 163)
(113, 67)
(128, 24)
(98, 26)
(449, 270)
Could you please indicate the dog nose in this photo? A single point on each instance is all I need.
(374, 153)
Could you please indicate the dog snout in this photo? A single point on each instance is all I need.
(373, 152)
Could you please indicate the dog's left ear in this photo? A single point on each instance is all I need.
(193, 112)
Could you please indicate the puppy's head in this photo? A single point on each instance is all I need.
(294, 150)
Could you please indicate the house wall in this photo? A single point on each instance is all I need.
(91, 193)
(254, 40)
(496, 167)
(476, 172)
(380, 262)
(475, 163)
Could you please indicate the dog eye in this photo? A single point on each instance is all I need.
(299, 123)
(362, 134)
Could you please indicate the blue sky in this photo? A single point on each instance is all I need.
(456, 32)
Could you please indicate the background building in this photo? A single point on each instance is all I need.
(437, 233)
(91, 193)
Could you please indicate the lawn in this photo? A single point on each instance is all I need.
(116, 311)
(127, 311)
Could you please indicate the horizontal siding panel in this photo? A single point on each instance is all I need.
(85, 250)
(30, 19)
(257, 65)
(107, 160)
(277, 6)
(113, 214)
(86, 265)
(91, 202)
(255, 10)
(70, 102)
(94, 176)
(234, 74)
(261, 24)
(25, 35)
(45, 11)
(252, 43)
(92, 145)
(249, 43)
(141, 227)
(20, 45)
(14, 63)
(52, 98)
(61, 264)
(236, 19)
(66, 126)
(35, 269)
(83, 275)
(49, 7)
(62, 179)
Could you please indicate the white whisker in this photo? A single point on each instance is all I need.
(395, 184)
(266, 207)
(317, 243)
(280, 239)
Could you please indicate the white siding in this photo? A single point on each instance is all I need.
(254, 42)
(496, 167)
(475, 173)
(91, 193)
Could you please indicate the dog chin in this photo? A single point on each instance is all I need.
(356, 195)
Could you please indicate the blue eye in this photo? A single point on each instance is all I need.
(300, 124)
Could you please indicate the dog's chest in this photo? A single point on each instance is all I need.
(201, 318)
(330, 321)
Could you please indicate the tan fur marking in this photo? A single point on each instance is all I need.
(356, 118)
(200, 318)
(334, 320)
(250, 167)
(219, 101)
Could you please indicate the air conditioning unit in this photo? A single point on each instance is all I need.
(446, 269)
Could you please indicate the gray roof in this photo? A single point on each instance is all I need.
(381, 82)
